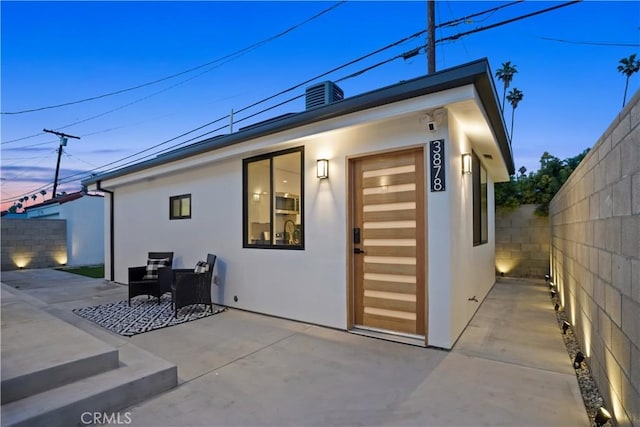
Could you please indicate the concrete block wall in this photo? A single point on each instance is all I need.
(33, 243)
(595, 261)
(523, 242)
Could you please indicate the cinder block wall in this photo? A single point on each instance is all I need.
(595, 260)
(33, 243)
(522, 242)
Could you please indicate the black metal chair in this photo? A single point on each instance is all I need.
(190, 288)
(139, 285)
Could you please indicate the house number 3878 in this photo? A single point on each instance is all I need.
(437, 165)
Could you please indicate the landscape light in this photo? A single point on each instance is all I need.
(551, 285)
(547, 277)
(602, 416)
(577, 362)
(565, 326)
(553, 293)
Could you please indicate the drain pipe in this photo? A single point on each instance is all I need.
(111, 233)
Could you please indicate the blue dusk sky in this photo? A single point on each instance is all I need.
(191, 63)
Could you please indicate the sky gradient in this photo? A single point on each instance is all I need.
(58, 52)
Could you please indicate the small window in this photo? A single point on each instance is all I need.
(480, 208)
(273, 200)
(180, 207)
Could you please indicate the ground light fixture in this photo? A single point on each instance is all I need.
(602, 416)
(466, 163)
(552, 293)
(565, 326)
(322, 168)
(577, 362)
(551, 285)
(547, 277)
(556, 307)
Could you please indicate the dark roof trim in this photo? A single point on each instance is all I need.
(477, 73)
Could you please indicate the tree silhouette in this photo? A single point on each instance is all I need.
(506, 75)
(514, 98)
(628, 66)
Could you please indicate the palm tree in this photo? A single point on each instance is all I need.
(506, 75)
(628, 66)
(42, 193)
(34, 197)
(514, 97)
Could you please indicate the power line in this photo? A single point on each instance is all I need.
(619, 44)
(403, 55)
(448, 23)
(236, 53)
(508, 21)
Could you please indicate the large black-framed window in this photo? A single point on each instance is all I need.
(180, 206)
(273, 200)
(480, 208)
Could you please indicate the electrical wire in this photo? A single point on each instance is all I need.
(450, 38)
(618, 44)
(231, 55)
(509, 21)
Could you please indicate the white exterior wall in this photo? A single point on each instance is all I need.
(85, 232)
(309, 285)
(472, 271)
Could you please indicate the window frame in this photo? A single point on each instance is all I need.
(245, 199)
(480, 201)
(179, 197)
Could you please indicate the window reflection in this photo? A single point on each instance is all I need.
(273, 200)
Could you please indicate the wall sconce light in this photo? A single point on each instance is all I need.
(577, 362)
(565, 326)
(256, 197)
(547, 277)
(466, 163)
(551, 285)
(322, 168)
(552, 293)
(602, 416)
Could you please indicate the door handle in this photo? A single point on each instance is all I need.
(358, 251)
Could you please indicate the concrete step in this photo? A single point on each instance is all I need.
(140, 376)
(53, 372)
(41, 352)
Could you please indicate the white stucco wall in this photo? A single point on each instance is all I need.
(85, 234)
(85, 231)
(309, 285)
(470, 271)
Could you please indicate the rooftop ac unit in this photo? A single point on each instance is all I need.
(322, 94)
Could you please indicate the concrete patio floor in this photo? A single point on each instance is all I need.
(509, 368)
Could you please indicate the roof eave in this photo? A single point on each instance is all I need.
(477, 73)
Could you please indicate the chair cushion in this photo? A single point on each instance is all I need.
(201, 267)
(153, 264)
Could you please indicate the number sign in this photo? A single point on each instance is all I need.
(437, 165)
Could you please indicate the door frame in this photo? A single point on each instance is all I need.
(421, 223)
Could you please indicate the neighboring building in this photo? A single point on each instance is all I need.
(84, 214)
(398, 242)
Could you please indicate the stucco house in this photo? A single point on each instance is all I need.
(371, 213)
(84, 214)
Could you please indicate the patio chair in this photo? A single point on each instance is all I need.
(153, 279)
(193, 286)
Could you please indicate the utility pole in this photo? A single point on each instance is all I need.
(431, 37)
(63, 143)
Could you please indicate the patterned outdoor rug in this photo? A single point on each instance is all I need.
(144, 315)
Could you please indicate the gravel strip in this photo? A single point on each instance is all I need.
(590, 394)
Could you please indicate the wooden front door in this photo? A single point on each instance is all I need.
(388, 242)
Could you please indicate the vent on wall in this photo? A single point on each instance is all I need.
(322, 94)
